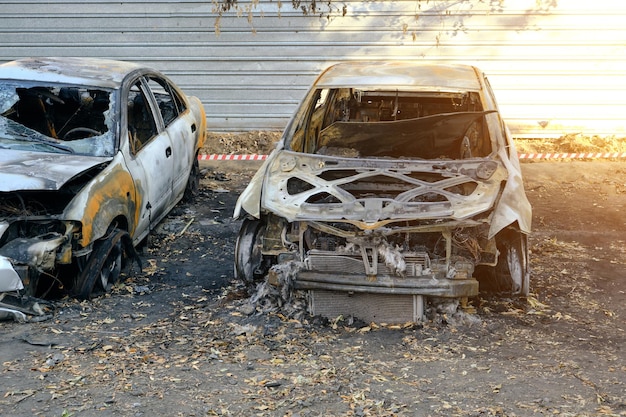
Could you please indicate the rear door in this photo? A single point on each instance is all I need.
(179, 123)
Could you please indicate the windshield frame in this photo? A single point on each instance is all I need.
(320, 105)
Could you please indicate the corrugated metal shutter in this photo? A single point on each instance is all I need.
(557, 67)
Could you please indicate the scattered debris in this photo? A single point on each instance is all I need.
(277, 293)
(194, 345)
(23, 308)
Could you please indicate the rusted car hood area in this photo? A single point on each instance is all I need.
(371, 193)
(30, 184)
(25, 170)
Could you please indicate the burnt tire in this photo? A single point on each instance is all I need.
(192, 189)
(103, 268)
(511, 274)
(248, 256)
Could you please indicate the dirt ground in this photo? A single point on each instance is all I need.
(181, 339)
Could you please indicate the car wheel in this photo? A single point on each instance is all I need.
(103, 267)
(511, 273)
(248, 256)
(111, 270)
(193, 182)
(512, 268)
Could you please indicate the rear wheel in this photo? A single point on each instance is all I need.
(193, 182)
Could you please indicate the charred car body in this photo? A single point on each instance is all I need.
(392, 182)
(93, 154)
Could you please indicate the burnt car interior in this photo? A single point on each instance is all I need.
(424, 125)
(141, 127)
(63, 113)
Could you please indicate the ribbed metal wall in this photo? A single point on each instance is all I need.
(558, 66)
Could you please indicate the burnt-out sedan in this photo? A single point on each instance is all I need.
(93, 154)
(393, 184)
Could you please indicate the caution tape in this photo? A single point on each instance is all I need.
(217, 157)
(582, 155)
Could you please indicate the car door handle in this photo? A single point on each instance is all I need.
(168, 152)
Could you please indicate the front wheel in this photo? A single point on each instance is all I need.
(513, 265)
(111, 270)
(511, 273)
(248, 256)
(103, 268)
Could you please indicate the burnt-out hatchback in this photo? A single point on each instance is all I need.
(93, 154)
(393, 184)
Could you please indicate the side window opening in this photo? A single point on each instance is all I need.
(141, 126)
(170, 104)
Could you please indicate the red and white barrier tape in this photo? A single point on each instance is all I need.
(216, 157)
(583, 155)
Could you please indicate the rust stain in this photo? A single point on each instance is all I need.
(116, 195)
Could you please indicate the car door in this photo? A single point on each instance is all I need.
(180, 126)
(149, 157)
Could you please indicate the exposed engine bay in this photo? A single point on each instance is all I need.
(381, 218)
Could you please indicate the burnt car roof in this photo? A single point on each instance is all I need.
(95, 72)
(432, 77)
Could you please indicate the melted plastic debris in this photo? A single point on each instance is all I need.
(391, 255)
(348, 248)
(24, 309)
(17, 316)
(282, 297)
(393, 258)
(446, 311)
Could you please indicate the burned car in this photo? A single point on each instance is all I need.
(393, 184)
(94, 153)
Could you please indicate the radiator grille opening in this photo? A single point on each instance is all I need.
(378, 308)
